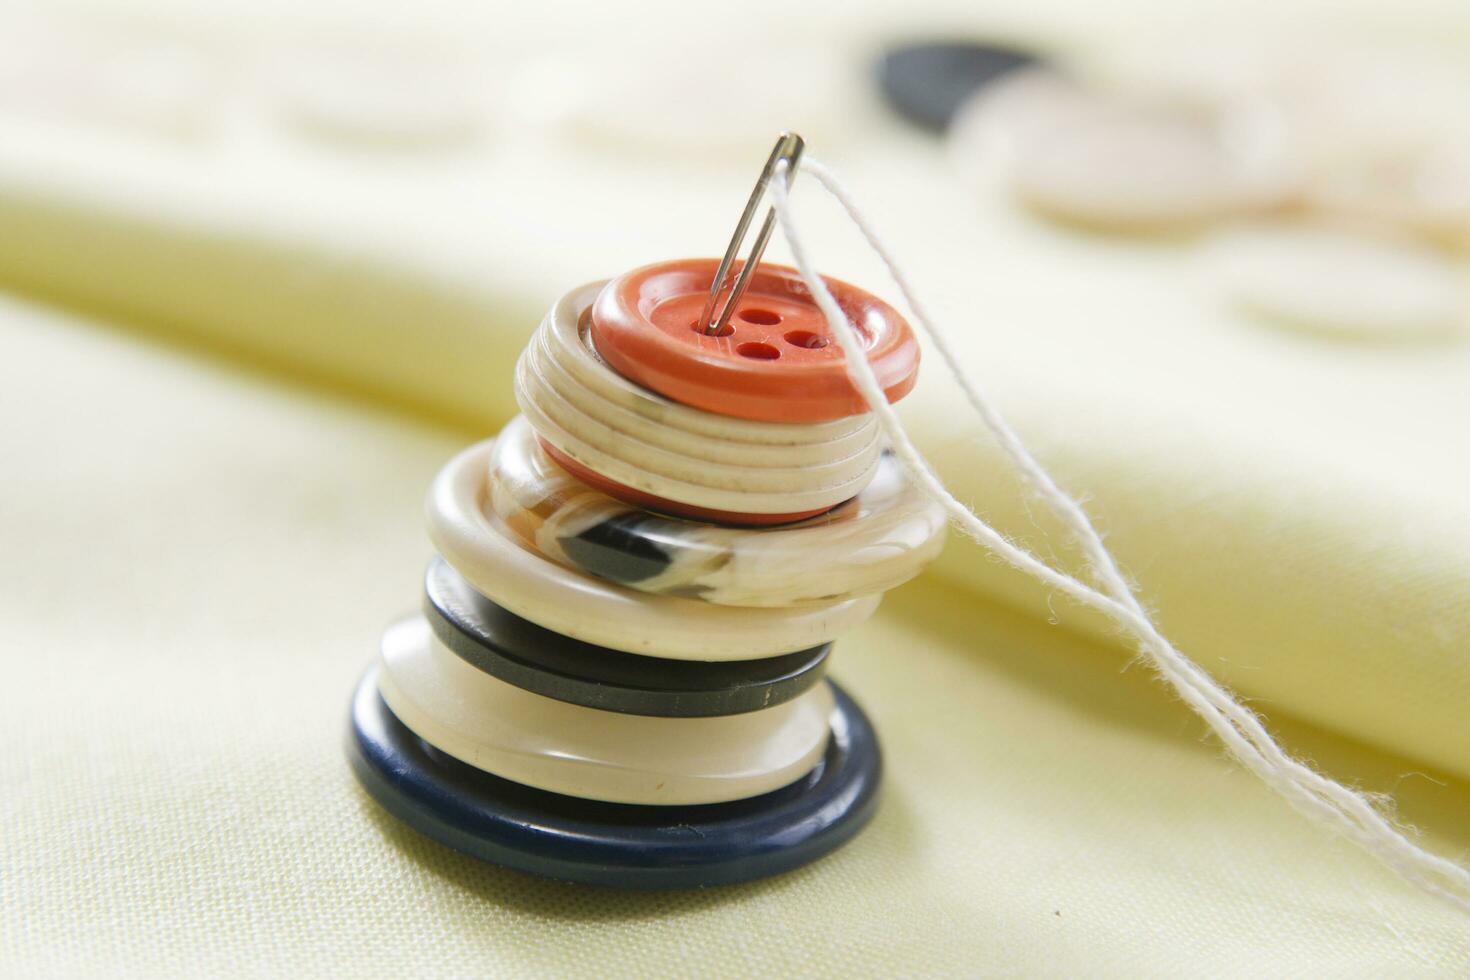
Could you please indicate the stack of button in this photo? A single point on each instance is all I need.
(619, 672)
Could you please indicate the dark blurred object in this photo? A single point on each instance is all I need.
(927, 83)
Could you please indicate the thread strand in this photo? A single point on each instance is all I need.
(1348, 812)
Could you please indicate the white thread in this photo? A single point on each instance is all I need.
(1327, 801)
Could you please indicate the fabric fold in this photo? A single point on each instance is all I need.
(1292, 509)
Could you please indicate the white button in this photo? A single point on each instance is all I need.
(474, 540)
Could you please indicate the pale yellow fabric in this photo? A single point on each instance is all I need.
(199, 562)
(200, 556)
(1291, 506)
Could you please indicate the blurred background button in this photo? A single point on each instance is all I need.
(1425, 193)
(927, 83)
(1340, 282)
(149, 85)
(384, 94)
(676, 101)
(1121, 161)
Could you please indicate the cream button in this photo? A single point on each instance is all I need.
(473, 539)
(1340, 282)
(592, 754)
(1113, 161)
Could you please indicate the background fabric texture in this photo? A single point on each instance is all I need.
(231, 366)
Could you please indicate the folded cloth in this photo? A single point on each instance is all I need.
(200, 561)
(1289, 506)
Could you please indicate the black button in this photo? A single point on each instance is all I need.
(927, 83)
(545, 662)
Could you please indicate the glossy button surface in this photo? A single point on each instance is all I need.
(643, 448)
(584, 752)
(616, 844)
(519, 652)
(878, 540)
(776, 360)
(467, 532)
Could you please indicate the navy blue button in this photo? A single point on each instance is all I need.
(927, 83)
(616, 844)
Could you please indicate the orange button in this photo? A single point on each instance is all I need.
(775, 361)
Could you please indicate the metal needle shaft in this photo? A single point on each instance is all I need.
(788, 148)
